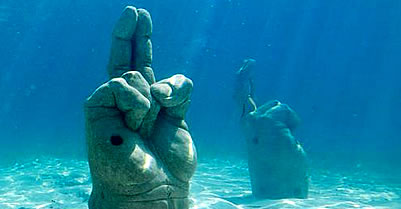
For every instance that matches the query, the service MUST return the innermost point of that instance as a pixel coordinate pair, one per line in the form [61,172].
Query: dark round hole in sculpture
[116,140]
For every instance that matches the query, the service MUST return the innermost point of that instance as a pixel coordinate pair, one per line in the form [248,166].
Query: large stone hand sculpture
[140,150]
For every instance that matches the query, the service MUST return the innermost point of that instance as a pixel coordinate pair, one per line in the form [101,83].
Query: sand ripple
[218,184]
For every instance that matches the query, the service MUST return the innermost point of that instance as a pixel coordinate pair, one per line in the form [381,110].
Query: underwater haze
[336,63]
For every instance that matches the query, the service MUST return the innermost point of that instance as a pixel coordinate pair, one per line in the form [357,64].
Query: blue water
[336,63]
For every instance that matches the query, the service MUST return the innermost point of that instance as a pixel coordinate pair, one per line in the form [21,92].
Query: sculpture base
[97,201]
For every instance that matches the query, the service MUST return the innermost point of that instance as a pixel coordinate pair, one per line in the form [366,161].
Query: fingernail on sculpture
[276,160]
[140,151]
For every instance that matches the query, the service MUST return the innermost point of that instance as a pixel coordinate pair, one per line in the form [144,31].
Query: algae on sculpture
[140,151]
[276,160]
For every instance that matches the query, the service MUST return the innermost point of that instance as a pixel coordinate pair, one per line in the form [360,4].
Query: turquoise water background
[336,63]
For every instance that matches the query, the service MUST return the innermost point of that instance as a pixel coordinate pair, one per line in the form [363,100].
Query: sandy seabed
[54,183]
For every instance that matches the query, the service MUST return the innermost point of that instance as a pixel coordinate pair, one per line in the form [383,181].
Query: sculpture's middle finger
[131,47]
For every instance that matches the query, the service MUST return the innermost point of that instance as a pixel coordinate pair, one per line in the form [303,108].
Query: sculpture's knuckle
[117,82]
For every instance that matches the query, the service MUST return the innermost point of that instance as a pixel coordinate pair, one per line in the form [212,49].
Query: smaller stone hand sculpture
[276,160]
[140,151]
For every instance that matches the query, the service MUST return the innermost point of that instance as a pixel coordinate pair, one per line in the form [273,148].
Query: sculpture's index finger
[144,27]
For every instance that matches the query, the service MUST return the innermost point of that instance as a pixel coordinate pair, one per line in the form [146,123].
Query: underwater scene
[206,104]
